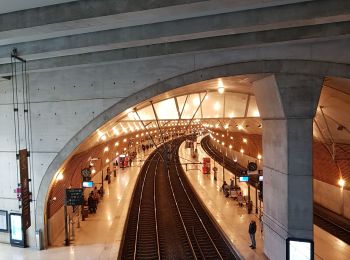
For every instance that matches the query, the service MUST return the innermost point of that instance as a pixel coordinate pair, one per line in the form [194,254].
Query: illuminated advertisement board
[16,231]
[300,249]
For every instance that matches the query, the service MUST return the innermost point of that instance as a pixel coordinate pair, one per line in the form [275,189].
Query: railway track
[321,218]
[232,166]
[166,220]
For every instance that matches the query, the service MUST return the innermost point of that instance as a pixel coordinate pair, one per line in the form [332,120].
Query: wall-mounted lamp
[341,183]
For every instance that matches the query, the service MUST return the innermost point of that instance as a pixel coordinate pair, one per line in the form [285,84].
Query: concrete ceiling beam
[90,15]
[257,39]
[185,29]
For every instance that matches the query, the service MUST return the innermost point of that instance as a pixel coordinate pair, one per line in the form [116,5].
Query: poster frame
[7,221]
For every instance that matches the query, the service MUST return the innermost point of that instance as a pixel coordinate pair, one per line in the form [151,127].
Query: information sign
[88,184]
[74,197]
[244,178]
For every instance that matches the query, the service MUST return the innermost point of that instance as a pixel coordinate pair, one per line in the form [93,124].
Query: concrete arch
[306,67]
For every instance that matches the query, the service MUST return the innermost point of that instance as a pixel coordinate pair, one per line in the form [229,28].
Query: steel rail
[139,211]
[196,212]
[180,215]
[155,206]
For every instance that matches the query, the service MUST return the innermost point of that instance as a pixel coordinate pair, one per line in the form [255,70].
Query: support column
[287,105]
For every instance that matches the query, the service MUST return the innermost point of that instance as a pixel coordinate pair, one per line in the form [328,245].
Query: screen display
[244,178]
[88,184]
[299,250]
[261,178]
[16,227]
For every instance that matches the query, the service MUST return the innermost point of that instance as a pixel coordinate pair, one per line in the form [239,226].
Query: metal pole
[248,192]
[223,168]
[101,174]
[256,200]
[66,235]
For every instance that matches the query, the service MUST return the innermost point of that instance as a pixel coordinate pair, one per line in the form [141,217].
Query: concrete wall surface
[80,80]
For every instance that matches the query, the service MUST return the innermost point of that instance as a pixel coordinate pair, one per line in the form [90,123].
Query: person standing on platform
[252,231]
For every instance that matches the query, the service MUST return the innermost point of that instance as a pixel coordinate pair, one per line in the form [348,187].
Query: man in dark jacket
[252,230]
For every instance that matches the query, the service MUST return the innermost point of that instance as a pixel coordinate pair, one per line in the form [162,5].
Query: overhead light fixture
[59,176]
[221,88]
[245,140]
[259,156]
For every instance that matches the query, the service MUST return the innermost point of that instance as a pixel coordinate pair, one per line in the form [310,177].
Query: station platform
[99,236]
[234,221]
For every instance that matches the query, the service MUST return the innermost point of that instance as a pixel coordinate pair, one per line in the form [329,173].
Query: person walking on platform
[91,203]
[240,199]
[252,231]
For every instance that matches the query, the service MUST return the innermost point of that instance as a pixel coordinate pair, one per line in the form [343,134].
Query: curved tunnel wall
[326,171]
[69,104]
[275,66]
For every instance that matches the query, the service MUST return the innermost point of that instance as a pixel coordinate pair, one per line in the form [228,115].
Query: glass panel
[166,109]
[146,113]
[213,105]
[191,106]
[235,104]
[253,110]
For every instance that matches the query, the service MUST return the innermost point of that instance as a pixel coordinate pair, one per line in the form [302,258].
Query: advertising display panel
[16,231]
[300,249]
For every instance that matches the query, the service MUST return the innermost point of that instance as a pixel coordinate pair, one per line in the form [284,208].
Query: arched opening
[255,67]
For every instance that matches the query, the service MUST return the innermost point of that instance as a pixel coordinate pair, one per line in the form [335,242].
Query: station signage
[74,197]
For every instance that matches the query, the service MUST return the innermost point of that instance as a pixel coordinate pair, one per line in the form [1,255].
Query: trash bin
[39,239]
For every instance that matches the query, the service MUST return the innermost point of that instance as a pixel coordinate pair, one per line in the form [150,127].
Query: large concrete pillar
[287,105]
